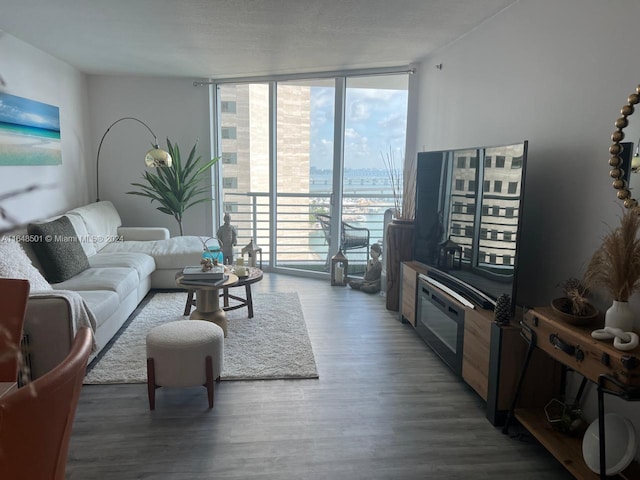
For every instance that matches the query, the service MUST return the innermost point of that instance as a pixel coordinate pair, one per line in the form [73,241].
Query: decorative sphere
[616,173]
[619,184]
[630,203]
[617,136]
[615,149]
[622,122]
[623,194]
[615,161]
[638,89]
[634,98]
[627,110]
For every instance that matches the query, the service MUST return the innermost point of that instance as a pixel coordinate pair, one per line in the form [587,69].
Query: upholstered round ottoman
[184,353]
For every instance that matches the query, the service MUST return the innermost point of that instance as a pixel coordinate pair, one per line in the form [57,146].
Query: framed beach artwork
[29,132]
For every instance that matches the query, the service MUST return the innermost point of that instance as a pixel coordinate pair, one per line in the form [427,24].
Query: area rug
[274,344]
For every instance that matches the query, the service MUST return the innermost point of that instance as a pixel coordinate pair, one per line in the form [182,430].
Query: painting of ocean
[29,132]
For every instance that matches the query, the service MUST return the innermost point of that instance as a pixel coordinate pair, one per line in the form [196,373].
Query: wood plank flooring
[385,407]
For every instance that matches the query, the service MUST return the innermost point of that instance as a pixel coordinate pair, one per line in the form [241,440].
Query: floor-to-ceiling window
[303,167]
[244,159]
[375,133]
[295,149]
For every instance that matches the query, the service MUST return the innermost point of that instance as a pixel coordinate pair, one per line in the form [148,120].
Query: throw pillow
[58,249]
[14,263]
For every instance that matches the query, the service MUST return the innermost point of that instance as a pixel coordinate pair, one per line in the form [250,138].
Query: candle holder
[339,269]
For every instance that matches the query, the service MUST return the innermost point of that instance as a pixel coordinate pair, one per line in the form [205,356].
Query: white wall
[556,74]
[540,72]
[30,73]
[172,108]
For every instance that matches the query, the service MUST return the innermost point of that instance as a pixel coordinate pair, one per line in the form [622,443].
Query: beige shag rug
[274,344]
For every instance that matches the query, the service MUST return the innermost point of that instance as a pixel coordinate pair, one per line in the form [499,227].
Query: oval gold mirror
[620,177]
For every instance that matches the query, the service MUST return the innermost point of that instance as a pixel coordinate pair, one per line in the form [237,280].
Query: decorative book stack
[194,275]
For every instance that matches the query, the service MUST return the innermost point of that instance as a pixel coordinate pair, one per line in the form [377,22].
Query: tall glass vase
[398,248]
[619,315]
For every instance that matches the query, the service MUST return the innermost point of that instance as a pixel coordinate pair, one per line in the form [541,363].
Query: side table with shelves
[571,346]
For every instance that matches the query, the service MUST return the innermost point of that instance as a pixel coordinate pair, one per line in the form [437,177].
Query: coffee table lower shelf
[567,450]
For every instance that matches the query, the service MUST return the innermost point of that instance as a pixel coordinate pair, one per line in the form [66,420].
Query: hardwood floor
[384,407]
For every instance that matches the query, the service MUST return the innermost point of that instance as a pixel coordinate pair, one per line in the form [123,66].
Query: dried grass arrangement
[576,295]
[615,265]
[403,186]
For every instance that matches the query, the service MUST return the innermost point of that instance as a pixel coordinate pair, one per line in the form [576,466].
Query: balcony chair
[351,237]
[36,420]
[14,294]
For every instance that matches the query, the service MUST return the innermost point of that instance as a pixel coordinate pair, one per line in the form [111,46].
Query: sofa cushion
[173,253]
[14,263]
[102,221]
[80,227]
[141,262]
[103,304]
[58,249]
[116,279]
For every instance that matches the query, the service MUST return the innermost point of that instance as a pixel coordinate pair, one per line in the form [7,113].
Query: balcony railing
[299,237]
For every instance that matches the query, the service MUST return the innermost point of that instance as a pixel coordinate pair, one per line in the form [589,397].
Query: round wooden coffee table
[254,274]
[208,300]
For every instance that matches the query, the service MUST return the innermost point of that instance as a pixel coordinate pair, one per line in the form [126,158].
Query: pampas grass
[615,266]
[403,186]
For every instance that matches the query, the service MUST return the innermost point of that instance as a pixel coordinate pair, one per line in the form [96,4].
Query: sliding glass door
[375,133]
[304,172]
[299,155]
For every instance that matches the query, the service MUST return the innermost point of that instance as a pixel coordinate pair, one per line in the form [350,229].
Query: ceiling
[238,38]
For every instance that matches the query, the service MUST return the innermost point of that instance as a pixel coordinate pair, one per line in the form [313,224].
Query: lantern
[339,268]
[252,249]
[450,255]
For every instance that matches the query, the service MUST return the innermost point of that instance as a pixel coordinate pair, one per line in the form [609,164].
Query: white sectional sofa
[122,264]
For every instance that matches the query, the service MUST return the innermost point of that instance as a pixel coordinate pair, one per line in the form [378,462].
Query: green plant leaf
[179,187]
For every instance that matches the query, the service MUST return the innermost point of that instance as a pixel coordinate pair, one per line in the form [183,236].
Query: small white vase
[619,315]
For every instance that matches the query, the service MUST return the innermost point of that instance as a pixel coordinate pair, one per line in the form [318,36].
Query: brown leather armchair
[14,294]
[36,420]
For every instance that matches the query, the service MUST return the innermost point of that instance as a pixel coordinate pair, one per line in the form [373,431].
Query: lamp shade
[157,157]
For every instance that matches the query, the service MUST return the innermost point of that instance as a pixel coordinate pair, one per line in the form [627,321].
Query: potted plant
[400,232]
[615,266]
[574,306]
[176,188]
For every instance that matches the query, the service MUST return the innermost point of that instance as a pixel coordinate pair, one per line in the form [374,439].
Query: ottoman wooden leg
[151,383]
[209,371]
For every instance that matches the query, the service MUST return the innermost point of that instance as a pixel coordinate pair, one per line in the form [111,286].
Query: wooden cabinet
[476,353]
[492,354]
[409,290]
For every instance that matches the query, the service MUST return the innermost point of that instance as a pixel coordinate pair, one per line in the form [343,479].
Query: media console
[486,356]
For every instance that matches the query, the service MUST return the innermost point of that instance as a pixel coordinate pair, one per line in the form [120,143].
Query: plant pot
[558,306]
[398,248]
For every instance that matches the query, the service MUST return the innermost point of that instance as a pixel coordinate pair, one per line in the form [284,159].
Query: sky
[375,121]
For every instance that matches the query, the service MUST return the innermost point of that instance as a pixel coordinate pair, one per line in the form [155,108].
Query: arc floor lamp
[156,157]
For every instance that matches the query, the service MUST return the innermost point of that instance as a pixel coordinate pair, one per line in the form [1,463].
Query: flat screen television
[468,218]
